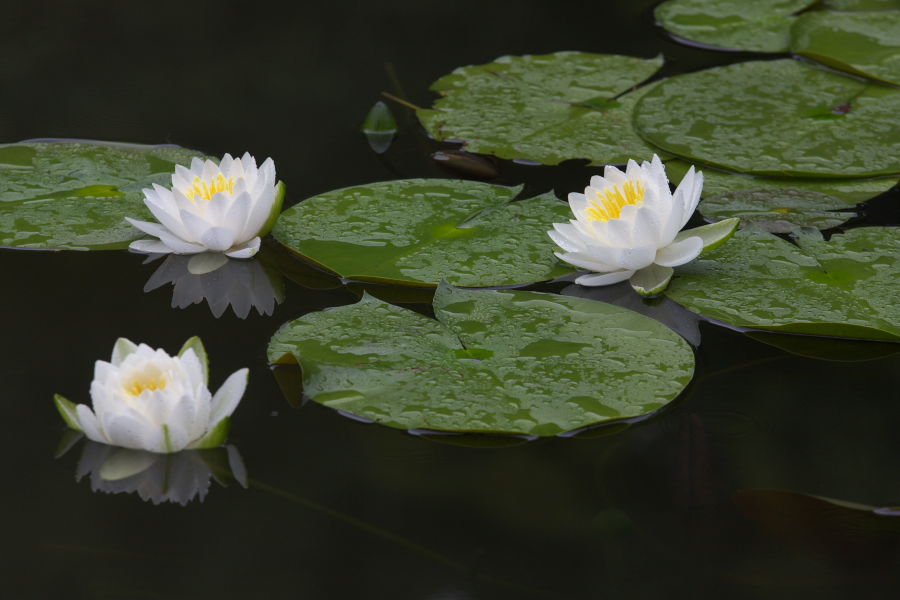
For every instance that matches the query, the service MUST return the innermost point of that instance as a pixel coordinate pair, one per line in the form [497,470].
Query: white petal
[245,250]
[147,227]
[169,219]
[604,278]
[150,247]
[228,396]
[129,432]
[218,239]
[585,261]
[646,227]
[564,242]
[89,424]
[678,253]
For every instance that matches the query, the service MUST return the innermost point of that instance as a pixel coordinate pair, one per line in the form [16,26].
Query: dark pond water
[708,499]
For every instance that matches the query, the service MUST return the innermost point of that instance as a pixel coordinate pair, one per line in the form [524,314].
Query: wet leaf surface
[777,211]
[423,231]
[844,287]
[74,194]
[775,118]
[494,362]
[547,108]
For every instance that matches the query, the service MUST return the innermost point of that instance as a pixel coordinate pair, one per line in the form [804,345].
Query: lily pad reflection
[220,282]
[177,478]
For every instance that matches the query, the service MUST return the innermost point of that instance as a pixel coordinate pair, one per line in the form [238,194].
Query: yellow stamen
[207,190]
[139,386]
[608,203]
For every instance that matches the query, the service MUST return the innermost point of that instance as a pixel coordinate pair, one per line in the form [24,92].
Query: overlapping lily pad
[781,117]
[423,231]
[864,43]
[546,108]
[494,362]
[848,191]
[74,195]
[857,5]
[845,287]
[778,211]
[757,25]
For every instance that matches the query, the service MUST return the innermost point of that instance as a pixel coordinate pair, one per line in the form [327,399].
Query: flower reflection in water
[178,478]
[221,282]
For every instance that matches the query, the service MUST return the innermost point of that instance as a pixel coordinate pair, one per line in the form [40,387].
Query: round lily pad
[504,362]
[75,194]
[423,231]
[856,5]
[849,191]
[757,26]
[780,117]
[844,287]
[778,211]
[864,43]
[547,108]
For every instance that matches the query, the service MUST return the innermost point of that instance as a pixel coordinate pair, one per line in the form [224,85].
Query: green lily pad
[494,362]
[756,26]
[423,231]
[864,43]
[780,117]
[547,108]
[777,211]
[858,5]
[75,194]
[845,287]
[718,183]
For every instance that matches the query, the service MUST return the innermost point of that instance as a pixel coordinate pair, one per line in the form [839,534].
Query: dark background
[338,509]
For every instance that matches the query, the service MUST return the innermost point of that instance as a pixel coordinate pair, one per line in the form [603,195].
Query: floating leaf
[846,287]
[777,211]
[380,127]
[779,117]
[547,108]
[855,5]
[718,183]
[494,362]
[757,26]
[422,231]
[866,43]
[74,195]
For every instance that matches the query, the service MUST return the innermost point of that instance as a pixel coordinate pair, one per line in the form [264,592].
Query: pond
[771,475]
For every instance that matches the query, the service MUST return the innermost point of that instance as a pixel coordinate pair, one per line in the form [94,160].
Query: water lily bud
[213,208]
[147,400]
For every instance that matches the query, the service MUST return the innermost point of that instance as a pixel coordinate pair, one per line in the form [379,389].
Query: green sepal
[280,189]
[651,280]
[215,437]
[196,344]
[122,348]
[68,412]
[167,439]
[713,235]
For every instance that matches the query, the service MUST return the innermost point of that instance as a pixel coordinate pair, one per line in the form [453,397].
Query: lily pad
[547,108]
[780,117]
[504,362]
[74,194]
[718,183]
[757,26]
[864,43]
[777,211]
[845,287]
[422,231]
[856,5]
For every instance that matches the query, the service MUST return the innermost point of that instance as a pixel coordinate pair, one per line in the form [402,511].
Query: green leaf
[380,127]
[494,362]
[74,195]
[865,43]
[855,5]
[717,183]
[121,349]
[280,190]
[756,26]
[68,412]
[777,211]
[846,287]
[422,231]
[779,117]
[713,235]
[196,344]
[546,108]
[651,280]
[214,437]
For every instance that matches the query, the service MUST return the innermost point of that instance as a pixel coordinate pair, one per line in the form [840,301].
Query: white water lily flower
[147,400]
[213,208]
[626,226]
